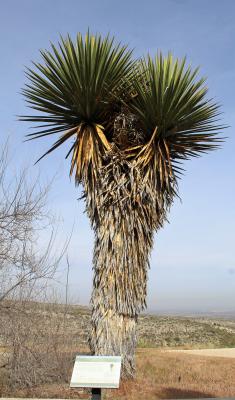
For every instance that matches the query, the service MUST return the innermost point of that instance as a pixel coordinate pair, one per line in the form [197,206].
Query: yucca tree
[130,125]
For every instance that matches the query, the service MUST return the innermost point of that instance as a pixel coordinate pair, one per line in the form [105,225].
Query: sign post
[96,372]
[96,393]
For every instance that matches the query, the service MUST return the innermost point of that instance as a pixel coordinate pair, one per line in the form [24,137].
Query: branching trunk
[125,211]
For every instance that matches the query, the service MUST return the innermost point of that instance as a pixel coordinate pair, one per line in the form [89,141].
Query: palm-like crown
[86,89]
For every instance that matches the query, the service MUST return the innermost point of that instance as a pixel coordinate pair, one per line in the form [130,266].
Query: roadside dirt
[227,353]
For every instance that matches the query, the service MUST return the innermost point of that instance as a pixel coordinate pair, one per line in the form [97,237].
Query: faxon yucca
[129,125]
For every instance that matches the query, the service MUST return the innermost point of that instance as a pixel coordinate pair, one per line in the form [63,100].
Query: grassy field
[163,375]
[160,373]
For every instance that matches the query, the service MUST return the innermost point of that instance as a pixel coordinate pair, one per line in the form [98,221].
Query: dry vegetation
[29,338]
[185,332]
[164,375]
[42,340]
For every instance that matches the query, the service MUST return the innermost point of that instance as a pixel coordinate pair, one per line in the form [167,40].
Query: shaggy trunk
[125,211]
[120,276]
[114,334]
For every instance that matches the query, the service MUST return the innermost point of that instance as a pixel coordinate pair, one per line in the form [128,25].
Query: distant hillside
[169,331]
[226,314]
[187,332]
[152,330]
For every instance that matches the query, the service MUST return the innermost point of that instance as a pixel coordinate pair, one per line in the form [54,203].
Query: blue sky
[193,263]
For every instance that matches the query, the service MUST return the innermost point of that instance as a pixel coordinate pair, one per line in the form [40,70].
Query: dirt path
[228,352]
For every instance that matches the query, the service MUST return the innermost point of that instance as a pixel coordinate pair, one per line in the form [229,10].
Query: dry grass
[163,375]
[160,375]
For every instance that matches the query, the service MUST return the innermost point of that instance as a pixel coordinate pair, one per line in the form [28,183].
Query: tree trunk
[114,334]
[124,211]
[119,288]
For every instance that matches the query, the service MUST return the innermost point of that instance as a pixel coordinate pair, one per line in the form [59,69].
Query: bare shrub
[32,339]
[23,216]
[41,349]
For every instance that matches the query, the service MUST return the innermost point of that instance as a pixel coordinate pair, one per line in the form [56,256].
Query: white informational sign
[96,372]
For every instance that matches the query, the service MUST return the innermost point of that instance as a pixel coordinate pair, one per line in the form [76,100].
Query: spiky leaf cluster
[81,87]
